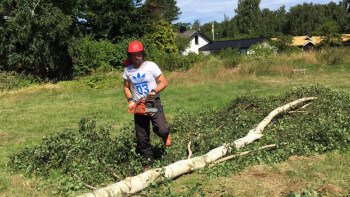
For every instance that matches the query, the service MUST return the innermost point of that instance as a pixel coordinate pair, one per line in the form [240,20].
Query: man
[146,78]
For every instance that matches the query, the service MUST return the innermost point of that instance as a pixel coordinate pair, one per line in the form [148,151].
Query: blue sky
[214,10]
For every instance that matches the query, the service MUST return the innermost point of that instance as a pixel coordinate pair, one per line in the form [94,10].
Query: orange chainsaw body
[144,106]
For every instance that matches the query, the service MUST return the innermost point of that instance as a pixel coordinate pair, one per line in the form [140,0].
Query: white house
[197,40]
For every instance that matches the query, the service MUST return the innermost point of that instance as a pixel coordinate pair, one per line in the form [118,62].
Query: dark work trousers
[142,128]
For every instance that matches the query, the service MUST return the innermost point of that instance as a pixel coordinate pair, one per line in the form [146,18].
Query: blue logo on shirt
[139,78]
[141,86]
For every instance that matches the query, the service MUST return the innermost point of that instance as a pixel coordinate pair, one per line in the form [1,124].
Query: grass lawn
[28,114]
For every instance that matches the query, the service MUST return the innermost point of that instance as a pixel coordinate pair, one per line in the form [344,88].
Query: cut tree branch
[241,154]
[86,185]
[141,181]
[109,169]
[189,150]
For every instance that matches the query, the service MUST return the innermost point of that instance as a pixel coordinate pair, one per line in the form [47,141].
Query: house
[197,40]
[242,45]
[303,42]
[346,39]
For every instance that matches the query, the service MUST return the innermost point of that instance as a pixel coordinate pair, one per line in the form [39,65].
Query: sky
[214,10]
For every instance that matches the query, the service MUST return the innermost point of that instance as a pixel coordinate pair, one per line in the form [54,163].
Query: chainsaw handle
[132,108]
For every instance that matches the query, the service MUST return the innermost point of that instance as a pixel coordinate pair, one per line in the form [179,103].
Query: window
[196,40]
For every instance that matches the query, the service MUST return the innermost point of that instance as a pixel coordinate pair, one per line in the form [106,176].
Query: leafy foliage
[331,56]
[13,80]
[91,55]
[36,38]
[323,127]
[182,43]
[231,57]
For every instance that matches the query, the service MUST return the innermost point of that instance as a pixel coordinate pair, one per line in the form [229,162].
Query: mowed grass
[29,114]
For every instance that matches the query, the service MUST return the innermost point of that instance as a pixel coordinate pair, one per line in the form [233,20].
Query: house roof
[244,43]
[345,37]
[318,39]
[301,41]
[186,34]
[190,34]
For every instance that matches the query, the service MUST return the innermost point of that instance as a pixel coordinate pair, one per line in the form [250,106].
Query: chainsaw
[144,106]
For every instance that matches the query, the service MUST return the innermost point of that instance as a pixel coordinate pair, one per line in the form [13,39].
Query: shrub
[182,43]
[101,80]
[262,50]
[331,56]
[175,61]
[90,55]
[103,56]
[13,80]
[231,57]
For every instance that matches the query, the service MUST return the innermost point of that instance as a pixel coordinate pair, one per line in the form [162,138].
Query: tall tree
[111,19]
[35,36]
[345,4]
[168,9]
[248,16]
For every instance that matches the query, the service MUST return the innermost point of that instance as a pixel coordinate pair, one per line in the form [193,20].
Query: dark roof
[202,34]
[242,44]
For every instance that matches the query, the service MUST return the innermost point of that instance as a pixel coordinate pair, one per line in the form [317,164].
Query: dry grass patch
[213,70]
[292,176]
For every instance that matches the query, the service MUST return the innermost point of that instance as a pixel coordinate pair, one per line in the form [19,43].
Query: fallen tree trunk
[131,185]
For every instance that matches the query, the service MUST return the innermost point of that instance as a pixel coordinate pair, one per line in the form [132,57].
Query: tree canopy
[302,19]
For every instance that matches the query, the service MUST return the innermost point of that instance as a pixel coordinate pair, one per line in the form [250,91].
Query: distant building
[241,45]
[197,40]
[303,42]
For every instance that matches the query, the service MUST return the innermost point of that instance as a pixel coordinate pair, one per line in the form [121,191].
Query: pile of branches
[91,157]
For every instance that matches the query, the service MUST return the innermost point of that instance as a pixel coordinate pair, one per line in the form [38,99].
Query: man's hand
[152,92]
[130,104]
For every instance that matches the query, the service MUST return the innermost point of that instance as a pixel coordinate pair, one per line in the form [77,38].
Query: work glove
[131,104]
[152,92]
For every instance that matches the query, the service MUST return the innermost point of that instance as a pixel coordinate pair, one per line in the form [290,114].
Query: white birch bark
[257,132]
[131,185]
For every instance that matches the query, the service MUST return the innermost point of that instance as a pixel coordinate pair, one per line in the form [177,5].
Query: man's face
[137,58]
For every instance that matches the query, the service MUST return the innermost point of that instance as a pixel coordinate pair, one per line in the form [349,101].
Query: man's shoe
[167,141]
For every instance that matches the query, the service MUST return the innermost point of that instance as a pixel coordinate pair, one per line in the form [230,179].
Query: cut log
[137,183]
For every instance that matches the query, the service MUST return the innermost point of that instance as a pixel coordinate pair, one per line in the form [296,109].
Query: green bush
[177,62]
[331,56]
[90,55]
[231,57]
[103,56]
[13,80]
[262,50]
[101,80]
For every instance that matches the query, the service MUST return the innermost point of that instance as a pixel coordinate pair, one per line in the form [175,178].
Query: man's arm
[127,90]
[162,83]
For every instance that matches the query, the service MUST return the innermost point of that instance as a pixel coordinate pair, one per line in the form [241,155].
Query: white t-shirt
[143,79]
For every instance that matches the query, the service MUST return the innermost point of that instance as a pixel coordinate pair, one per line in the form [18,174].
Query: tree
[248,16]
[282,42]
[329,31]
[161,33]
[346,5]
[182,43]
[111,19]
[35,36]
[167,8]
